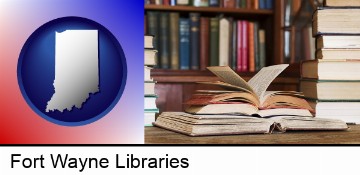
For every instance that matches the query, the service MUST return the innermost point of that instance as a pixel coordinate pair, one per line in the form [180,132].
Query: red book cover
[239,47]
[229,4]
[166,2]
[245,47]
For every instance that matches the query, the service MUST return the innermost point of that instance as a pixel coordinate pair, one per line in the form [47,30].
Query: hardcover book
[214,41]
[184,39]
[346,111]
[203,125]
[224,42]
[336,21]
[149,42]
[333,90]
[337,54]
[331,69]
[342,3]
[194,40]
[164,49]
[338,42]
[150,57]
[174,40]
[204,42]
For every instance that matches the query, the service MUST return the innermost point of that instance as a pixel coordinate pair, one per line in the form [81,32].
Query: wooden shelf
[239,11]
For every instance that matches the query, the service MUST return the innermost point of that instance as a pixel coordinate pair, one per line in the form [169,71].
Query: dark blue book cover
[214,3]
[194,41]
[262,4]
[269,4]
[184,39]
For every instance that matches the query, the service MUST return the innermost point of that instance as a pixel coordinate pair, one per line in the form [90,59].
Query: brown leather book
[204,42]
[251,47]
[229,3]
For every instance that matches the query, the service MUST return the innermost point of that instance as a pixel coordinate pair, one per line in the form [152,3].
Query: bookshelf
[174,87]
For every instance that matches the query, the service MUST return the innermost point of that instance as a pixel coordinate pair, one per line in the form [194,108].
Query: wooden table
[155,135]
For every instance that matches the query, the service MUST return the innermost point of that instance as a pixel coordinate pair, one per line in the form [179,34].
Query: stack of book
[332,81]
[197,42]
[248,4]
[245,107]
[150,97]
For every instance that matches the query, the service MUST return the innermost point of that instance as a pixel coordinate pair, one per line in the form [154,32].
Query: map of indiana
[76,69]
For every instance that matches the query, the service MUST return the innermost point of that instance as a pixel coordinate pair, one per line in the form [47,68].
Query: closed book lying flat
[349,112]
[149,42]
[336,54]
[149,87]
[150,103]
[331,90]
[336,21]
[338,42]
[342,3]
[331,69]
[147,71]
[150,58]
[202,125]
[149,118]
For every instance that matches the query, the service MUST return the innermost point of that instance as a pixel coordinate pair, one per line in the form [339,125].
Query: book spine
[262,48]
[184,39]
[224,42]
[214,41]
[200,3]
[152,29]
[249,4]
[269,4]
[244,4]
[204,42]
[173,2]
[230,37]
[174,40]
[262,4]
[238,4]
[194,40]
[166,2]
[255,4]
[182,2]
[214,3]
[256,46]
[251,45]
[164,41]
[229,4]
[234,45]
[245,46]
[239,47]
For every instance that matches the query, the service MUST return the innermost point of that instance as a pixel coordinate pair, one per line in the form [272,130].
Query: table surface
[155,135]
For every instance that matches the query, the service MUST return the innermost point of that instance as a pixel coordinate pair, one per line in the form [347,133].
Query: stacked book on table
[332,81]
[245,107]
[150,97]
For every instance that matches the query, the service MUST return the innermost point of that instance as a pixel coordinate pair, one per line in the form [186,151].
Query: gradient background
[19,124]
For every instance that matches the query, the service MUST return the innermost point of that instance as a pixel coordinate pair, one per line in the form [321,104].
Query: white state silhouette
[76,69]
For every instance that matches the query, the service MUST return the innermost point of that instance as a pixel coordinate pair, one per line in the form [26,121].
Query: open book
[248,98]
[202,125]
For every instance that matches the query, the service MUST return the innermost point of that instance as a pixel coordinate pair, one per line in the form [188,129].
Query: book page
[261,81]
[227,75]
